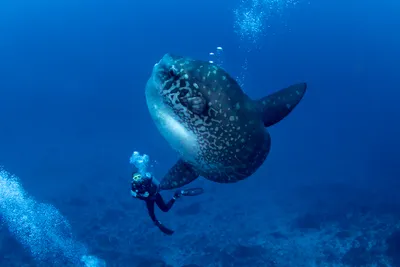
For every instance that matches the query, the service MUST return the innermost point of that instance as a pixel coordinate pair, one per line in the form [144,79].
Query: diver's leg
[150,208]
[165,207]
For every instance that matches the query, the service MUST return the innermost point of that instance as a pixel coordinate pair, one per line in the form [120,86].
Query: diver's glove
[163,229]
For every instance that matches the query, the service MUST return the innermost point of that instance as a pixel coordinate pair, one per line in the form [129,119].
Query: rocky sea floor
[233,229]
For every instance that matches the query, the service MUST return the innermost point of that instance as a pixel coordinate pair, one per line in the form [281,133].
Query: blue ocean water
[73,109]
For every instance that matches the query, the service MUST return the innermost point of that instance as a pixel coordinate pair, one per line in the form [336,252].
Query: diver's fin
[192,191]
[278,105]
[182,173]
[196,104]
[164,229]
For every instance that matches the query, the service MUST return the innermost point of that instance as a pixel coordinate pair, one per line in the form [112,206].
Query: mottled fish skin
[205,116]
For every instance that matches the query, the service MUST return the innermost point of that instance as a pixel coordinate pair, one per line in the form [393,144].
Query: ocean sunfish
[219,132]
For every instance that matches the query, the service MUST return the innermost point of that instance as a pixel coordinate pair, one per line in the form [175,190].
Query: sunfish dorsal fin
[278,105]
[182,173]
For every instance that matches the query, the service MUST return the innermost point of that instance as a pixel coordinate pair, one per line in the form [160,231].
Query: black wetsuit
[156,198]
[165,207]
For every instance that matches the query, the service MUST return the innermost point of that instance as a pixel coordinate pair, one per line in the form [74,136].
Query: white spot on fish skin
[195,85]
[288,106]
[186,76]
[197,122]
[224,78]
[231,118]
[237,106]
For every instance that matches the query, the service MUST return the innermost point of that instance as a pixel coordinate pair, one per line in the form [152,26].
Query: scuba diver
[147,188]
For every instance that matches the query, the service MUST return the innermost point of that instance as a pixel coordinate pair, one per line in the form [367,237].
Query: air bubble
[252,17]
[217,56]
[252,22]
[141,162]
[40,227]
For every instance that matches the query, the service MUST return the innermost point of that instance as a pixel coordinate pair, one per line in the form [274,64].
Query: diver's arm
[150,208]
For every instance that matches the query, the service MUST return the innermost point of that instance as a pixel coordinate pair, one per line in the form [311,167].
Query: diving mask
[137,177]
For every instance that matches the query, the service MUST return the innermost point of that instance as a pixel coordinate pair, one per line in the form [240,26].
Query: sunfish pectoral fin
[196,104]
[278,105]
[182,173]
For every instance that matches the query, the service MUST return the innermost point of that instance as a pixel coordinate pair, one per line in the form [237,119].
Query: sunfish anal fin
[182,173]
[278,105]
